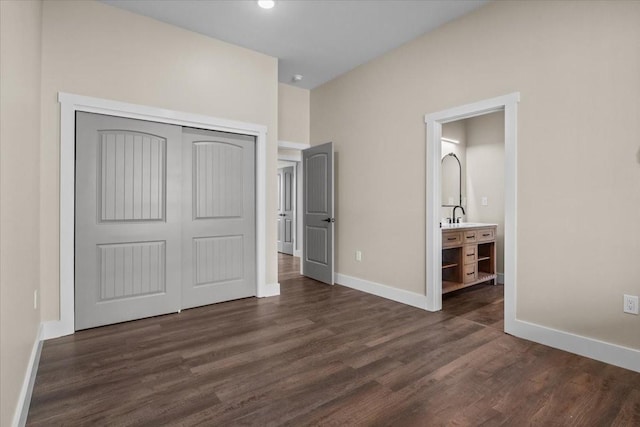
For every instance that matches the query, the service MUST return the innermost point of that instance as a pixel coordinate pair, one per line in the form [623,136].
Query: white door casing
[508,104]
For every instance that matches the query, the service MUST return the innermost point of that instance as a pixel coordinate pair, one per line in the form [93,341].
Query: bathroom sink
[465,225]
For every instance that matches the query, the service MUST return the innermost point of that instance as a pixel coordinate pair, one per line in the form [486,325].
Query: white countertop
[463,225]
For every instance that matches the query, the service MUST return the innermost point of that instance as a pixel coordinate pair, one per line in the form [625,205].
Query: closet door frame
[69,104]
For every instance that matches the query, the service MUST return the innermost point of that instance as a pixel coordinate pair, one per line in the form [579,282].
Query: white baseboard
[399,295]
[24,399]
[613,354]
[297,252]
[59,328]
[270,290]
[500,278]
[56,328]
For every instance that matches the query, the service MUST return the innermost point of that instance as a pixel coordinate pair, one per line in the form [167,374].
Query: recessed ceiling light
[266,4]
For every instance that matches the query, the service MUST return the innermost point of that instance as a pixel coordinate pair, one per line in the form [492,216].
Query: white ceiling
[318,39]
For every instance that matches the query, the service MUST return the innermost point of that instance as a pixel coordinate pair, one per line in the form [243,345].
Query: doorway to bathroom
[485,199]
[472,218]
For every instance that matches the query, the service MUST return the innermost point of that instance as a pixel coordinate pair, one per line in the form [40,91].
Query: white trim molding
[269,290]
[385,291]
[508,104]
[69,104]
[289,145]
[290,157]
[24,398]
[613,354]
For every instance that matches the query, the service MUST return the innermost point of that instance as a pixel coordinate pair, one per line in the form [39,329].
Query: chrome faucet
[453,214]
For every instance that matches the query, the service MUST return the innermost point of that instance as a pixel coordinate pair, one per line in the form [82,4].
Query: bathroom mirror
[451,180]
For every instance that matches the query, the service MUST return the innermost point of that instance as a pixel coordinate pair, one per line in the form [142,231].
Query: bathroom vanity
[468,255]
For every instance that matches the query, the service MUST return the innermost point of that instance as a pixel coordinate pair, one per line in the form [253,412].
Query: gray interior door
[318,220]
[127,221]
[286,196]
[218,208]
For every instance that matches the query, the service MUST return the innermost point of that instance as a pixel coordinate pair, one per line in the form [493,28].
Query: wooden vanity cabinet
[468,257]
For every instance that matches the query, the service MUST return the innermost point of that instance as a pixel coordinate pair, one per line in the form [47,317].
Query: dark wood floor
[322,354]
[288,267]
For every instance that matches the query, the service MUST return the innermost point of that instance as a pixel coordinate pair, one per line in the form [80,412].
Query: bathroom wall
[450,175]
[485,174]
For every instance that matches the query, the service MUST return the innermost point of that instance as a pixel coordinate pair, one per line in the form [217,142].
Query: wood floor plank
[629,414]
[325,355]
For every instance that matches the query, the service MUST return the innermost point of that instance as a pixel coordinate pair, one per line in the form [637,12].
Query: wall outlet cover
[358,256]
[631,304]
[485,201]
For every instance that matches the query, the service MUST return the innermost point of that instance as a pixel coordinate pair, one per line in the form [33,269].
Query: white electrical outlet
[358,255]
[631,304]
[485,201]
[35,299]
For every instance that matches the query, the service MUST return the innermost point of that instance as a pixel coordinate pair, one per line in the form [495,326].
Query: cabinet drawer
[471,236]
[470,254]
[470,273]
[451,238]
[486,234]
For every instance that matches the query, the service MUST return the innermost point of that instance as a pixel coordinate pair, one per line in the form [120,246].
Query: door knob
[329,220]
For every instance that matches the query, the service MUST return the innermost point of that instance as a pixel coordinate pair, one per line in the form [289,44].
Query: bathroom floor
[483,304]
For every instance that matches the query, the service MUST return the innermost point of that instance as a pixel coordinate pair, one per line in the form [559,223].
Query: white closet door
[218,209]
[128,219]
